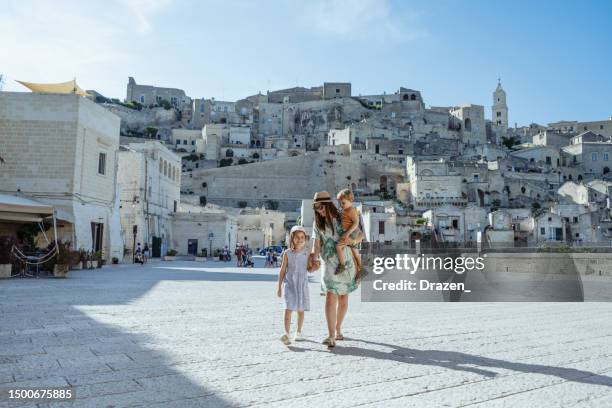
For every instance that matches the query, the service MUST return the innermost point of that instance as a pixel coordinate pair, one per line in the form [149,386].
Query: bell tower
[500,109]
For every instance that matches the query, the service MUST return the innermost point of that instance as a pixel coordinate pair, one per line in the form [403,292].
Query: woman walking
[326,231]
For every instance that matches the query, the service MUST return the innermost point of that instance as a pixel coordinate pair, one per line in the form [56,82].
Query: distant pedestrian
[269,259]
[238,254]
[274,259]
[146,253]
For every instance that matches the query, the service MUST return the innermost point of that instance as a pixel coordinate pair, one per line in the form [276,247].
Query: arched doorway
[468,125]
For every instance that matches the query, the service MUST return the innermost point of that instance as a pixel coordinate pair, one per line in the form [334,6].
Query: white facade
[261,227]
[337,137]
[379,221]
[204,230]
[60,149]
[149,181]
[189,140]
[240,135]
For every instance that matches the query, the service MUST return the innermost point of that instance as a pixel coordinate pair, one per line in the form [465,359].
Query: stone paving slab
[186,334]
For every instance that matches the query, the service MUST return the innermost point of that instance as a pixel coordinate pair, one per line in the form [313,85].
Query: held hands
[313,263]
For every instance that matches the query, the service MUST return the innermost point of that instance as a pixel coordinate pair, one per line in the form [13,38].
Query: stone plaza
[192,334]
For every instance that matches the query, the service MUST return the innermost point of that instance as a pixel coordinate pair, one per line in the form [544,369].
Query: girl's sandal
[339,336]
[330,342]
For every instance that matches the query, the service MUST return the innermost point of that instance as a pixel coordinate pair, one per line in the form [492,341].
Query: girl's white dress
[297,296]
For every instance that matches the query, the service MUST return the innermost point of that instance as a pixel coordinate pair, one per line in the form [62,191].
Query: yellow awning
[69,87]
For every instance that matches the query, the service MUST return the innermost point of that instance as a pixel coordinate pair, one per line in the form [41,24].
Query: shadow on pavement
[46,340]
[466,362]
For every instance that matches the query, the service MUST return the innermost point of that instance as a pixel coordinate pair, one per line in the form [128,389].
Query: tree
[225,162]
[510,141]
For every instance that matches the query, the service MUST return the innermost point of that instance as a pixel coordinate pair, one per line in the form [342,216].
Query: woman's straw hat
[322,197]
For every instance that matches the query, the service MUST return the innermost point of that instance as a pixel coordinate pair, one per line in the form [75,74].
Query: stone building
[589,152]
[543,155]
[432,185]
[509,227]
[153,95]
[149,178]
[454,224]
[333,90]
[471,123]
[261,227]
[191,141]
[551,138]
[601,127]
[380,222]
[203,229]
[549,228]
[60,149]
[338,137]
[240,135]
[296,94]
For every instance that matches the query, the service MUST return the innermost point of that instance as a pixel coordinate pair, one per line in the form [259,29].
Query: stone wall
[289,180]
[138,120]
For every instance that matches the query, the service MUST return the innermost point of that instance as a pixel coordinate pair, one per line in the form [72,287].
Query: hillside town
[194,176]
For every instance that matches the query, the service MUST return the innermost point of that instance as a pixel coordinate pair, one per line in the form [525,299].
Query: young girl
[293,278]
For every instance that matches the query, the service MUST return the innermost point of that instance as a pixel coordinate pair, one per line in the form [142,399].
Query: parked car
[275,248]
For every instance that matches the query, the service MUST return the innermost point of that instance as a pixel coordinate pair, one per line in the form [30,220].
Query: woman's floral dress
[343,283]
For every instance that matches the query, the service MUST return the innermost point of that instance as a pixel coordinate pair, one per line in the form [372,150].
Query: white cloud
[55,41]
[360,20]
[143,10]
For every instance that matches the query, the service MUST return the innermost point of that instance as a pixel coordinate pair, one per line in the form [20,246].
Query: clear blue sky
[554,57]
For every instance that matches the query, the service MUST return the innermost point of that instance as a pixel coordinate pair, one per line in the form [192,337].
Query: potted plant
[201,257]
[170,255]
[65,258]
[81,260]
[97,256]
[6,246]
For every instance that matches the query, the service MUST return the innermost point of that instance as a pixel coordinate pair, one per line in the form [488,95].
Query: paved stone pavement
[187,334]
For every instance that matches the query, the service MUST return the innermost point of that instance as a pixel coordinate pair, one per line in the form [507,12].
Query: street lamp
[210,240]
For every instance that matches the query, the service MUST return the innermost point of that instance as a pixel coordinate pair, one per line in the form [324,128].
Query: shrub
[151,132]
[171,252]
[165,104]
[115,260]
[242,161]
[242,204]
